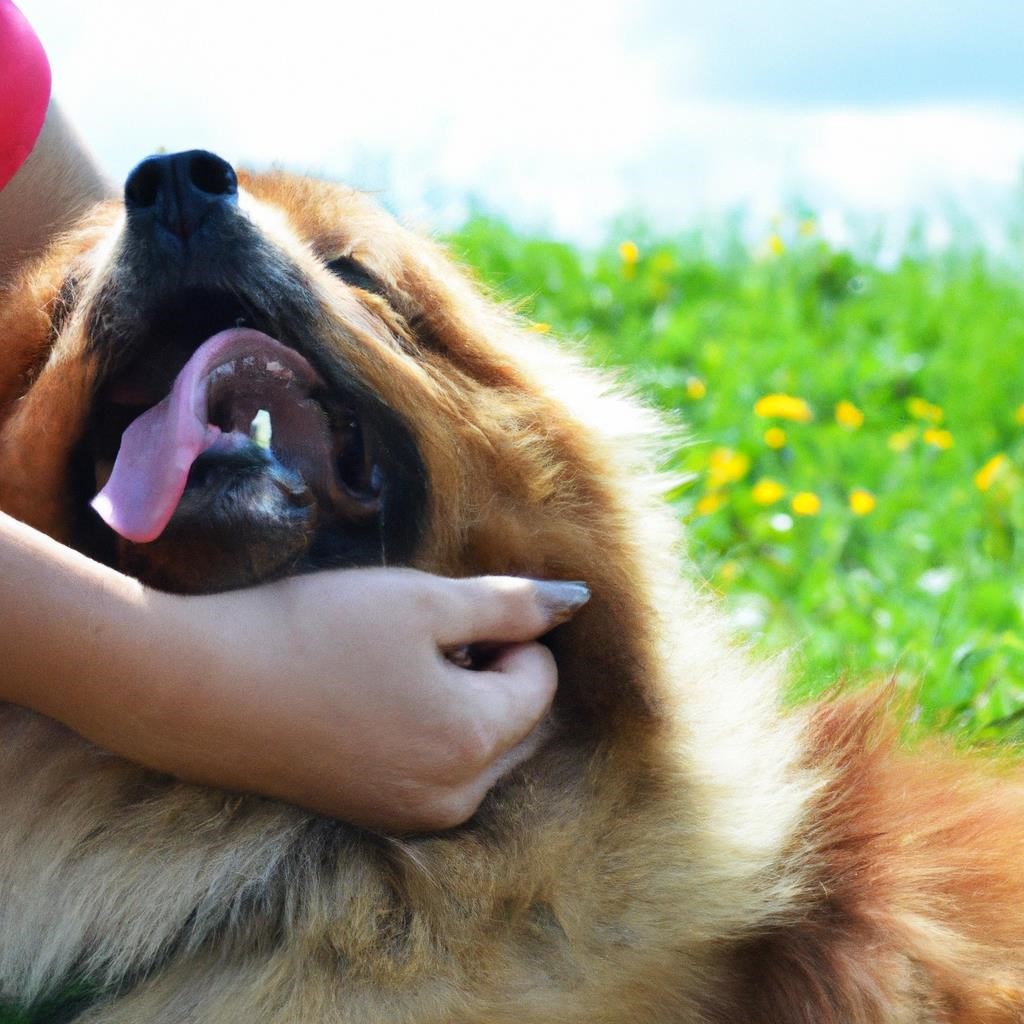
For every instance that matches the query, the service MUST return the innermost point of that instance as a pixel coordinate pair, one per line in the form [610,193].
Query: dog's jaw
[340,485]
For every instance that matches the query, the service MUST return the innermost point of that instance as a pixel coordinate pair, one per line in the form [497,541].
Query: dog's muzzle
[169,198]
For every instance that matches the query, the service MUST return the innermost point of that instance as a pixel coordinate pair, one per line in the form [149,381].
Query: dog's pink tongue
[158,449]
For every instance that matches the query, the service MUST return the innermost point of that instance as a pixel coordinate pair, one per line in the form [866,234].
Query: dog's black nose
[178,191]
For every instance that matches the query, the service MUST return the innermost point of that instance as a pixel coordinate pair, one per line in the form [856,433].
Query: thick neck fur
[593,885]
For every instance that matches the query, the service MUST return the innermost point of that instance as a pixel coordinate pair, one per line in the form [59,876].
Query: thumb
[508,609]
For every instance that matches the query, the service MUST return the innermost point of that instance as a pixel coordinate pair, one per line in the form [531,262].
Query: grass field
[855,472]
[854,482]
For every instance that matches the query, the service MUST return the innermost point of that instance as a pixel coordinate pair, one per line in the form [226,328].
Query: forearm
[328,690]
[80,640]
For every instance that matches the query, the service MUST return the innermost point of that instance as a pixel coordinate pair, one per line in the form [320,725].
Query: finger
[513,696]
[504,609]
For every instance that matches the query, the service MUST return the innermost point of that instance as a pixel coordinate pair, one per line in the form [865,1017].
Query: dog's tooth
[273,366]
[249,362]
[259,430]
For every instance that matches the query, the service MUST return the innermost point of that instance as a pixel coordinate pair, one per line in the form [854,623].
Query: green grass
[928,586]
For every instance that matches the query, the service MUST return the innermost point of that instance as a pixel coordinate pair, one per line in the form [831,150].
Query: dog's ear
[46,375]
[28,302]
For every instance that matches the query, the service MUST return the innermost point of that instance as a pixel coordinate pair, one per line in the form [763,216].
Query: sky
[565,116]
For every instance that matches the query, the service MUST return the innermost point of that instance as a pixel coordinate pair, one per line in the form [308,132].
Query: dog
[680,850]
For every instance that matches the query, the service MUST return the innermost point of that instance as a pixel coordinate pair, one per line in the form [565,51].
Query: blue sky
[871,53]
[563,114]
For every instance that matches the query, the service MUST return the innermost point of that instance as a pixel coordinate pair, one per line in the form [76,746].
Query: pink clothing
[24,89]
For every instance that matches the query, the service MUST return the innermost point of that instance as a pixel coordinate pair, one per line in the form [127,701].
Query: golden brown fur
[681,851]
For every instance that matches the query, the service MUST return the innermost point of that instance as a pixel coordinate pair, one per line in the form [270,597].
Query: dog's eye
[355,274]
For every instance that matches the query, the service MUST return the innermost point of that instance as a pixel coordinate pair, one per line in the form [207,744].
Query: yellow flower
[775,437]
[728,571]
[776,246]
[664,262]
[784,407]
[861,501]
[1019,414]
[806,503]
[540,328]
[767,491]
[986,476]
[710,502]
[937,438]
[808,226]
[695,387]
[629,252]
[726,466]
[848,415]
[902,439]
[922,410]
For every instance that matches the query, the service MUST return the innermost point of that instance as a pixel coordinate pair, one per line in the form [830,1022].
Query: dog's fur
[680,851]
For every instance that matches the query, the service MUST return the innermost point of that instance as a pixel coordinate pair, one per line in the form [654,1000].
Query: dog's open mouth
[222,457]
[242,399]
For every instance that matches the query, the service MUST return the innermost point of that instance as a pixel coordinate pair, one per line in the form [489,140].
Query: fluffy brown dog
[679,851]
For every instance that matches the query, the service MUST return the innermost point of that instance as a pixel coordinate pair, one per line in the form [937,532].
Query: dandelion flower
[726,466]
[986,476]
[767,491]
[695,387]
[808,226]
[902,439]
[783,407]
[1019,414]
[938,438]
[848,415]
[728,571]
[861,501]
[776,246]
[629,253]
[806,503]
[775,437]
[922,410]
[540,328]
[710,502]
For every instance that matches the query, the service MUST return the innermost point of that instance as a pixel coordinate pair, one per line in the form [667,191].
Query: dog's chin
[247,518]
[243,519]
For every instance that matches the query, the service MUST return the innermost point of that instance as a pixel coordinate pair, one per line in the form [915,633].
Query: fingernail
[561,599]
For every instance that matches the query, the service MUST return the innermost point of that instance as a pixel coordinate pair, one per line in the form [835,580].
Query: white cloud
[563,113]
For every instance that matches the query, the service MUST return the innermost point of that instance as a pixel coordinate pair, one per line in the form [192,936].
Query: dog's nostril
[177,193]
[212,175]
[143,184]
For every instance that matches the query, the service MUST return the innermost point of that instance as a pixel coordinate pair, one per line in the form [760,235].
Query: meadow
[852,477]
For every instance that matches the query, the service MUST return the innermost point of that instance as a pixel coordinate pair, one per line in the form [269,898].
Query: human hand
[333,691]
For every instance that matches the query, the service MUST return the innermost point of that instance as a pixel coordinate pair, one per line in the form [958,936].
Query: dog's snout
[178,191]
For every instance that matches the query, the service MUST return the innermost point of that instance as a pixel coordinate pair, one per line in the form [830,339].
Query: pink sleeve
[24,89]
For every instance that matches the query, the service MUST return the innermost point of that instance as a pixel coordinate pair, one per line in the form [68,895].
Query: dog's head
[225,380]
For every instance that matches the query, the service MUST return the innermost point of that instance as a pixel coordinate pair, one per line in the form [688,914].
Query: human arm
[330,691]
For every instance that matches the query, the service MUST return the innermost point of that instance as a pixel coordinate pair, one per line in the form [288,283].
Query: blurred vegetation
[855,479]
